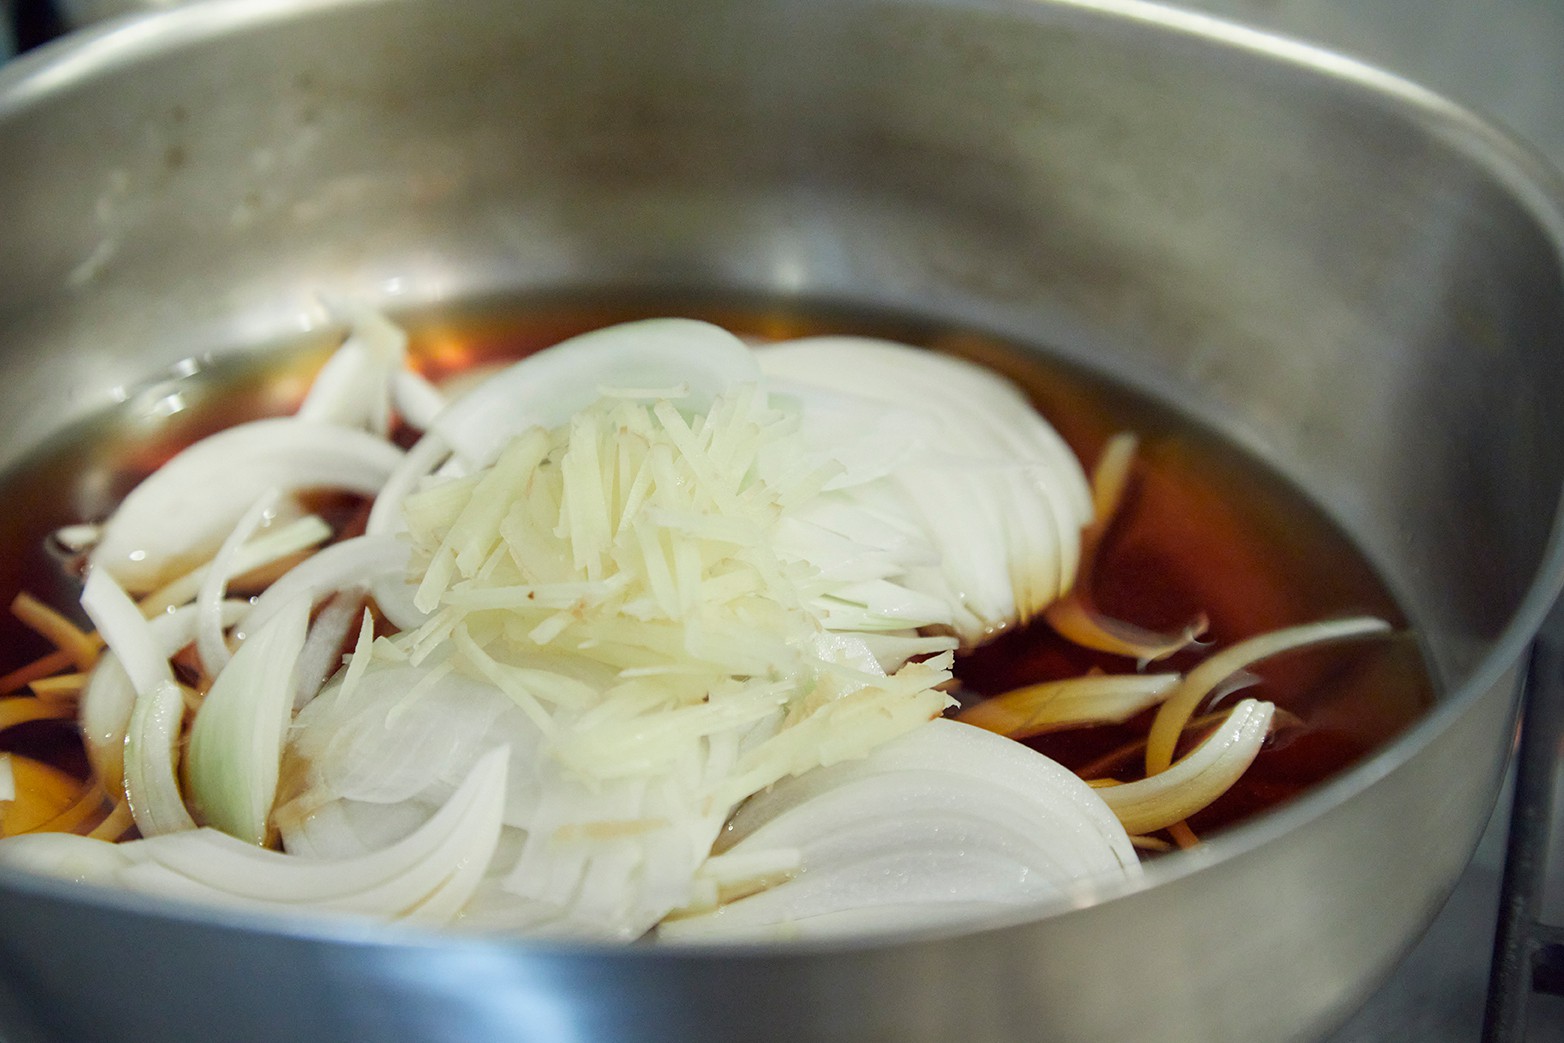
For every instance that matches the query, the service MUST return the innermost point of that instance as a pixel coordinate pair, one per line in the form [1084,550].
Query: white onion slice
[353,563]
[178,517]
[993,485]
[236,741]
[354,387]
[1203,679]
[65,855]
[321,657]
[426,876]
[106,703]
[1202,775]
[103,715]
[916,833]
[416,399]
[691,361]
[152,730]
[211,645]
[349,828]
[125,631]
[866,438]
[401,733]
[1070,703]
[268,548]
[942,745]
[385,516]
[151,762]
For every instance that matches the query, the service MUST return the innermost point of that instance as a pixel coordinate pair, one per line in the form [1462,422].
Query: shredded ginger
[610,599]
[641,539]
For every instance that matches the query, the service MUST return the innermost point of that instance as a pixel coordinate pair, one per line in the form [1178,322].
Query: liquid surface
[1203,530]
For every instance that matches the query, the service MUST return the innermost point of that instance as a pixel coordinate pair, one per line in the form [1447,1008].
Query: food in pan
[655,632]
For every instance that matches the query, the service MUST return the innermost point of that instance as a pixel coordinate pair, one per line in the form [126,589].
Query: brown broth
[1204,530]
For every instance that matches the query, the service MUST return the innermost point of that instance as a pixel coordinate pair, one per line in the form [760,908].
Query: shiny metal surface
[1500,58]
[1354,279]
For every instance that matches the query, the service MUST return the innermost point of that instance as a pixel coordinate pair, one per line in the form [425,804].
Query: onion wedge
[236,740]
[179,516]
[427,876]
[1075,617]
[211,642]
[419,401]
[993,486]
[151,756]
[1197,779]
[266,549]
[1204,679]
[1071,703]
[947,822]
[103,712]
[351,564]
[152,731]
[1077,620]
[354,388]
[686,361]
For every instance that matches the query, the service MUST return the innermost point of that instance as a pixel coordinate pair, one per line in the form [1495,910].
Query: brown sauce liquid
[1204,530]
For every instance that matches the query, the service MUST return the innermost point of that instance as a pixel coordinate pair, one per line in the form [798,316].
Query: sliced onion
[1198,778]
[385,516]
[865,439]
[266,549]
[941,745]
[426,876]
[66,855]
[391,883]
[211,645]
[1203,679]
[353,563]
[103,712]
[1075,619]
[1072,703]
[970,401]
[77,538]
[349,828]
[354,388]
[692,361]
[914,834]
[321,656]
[115,824]
[151,761]
[125,631]
[417,400]
[236,740]
[1111,475]
[179,516]
[152,730]
[348,744]
[989,480]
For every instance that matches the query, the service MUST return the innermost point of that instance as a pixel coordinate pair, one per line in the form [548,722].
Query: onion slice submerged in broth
[615,592]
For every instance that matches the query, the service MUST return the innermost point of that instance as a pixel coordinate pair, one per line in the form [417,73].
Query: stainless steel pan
[1352,278]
